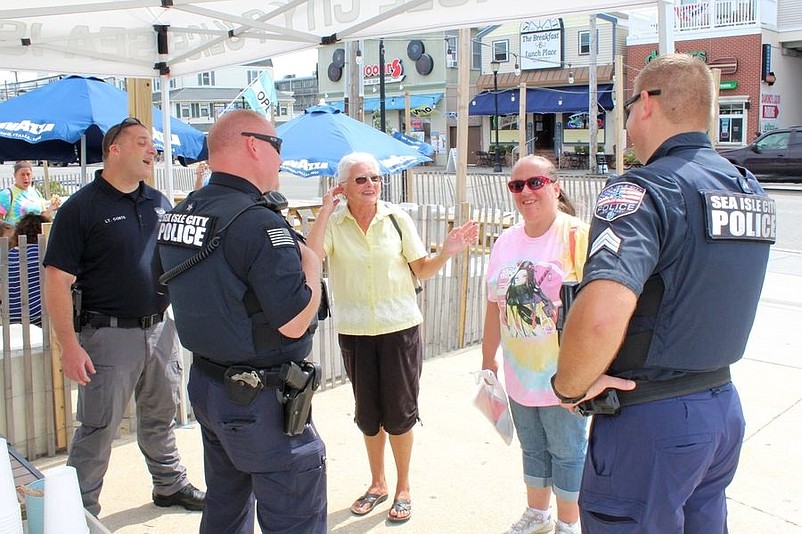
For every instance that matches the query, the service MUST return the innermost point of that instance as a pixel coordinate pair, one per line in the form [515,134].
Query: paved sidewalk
[465,479]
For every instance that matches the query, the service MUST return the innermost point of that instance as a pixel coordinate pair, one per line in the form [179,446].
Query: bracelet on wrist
[563,398]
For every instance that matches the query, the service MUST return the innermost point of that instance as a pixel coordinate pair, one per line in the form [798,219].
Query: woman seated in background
[30,226]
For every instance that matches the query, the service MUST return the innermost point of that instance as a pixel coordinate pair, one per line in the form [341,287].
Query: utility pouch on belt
[300,382]
[242,385]
[77,312]
[605,403]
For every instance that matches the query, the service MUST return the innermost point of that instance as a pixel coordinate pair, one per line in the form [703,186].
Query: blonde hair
[686,86]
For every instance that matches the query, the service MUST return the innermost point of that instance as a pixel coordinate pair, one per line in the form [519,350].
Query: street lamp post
[497,157]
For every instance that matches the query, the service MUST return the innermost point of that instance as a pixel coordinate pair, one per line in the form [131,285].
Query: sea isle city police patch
[618,200]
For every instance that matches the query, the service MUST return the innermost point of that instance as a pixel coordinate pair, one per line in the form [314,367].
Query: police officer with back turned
[245,290]
[678,251]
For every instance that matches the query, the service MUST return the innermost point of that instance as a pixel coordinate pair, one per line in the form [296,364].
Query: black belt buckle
[606,403]
[150,320]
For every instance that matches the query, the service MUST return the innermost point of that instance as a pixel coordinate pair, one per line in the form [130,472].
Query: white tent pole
[168,136]
[83,159]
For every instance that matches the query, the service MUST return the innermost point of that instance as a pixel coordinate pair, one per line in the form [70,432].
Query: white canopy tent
[149,38]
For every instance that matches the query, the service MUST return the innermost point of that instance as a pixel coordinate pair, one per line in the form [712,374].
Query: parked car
[777,154]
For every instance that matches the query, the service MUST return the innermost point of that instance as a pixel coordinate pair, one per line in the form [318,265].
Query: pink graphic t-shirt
[524,277]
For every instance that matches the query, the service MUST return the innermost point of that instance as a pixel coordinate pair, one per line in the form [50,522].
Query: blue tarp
[567,99]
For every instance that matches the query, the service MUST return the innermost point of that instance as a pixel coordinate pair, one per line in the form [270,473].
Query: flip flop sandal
[369,499]
[400,506]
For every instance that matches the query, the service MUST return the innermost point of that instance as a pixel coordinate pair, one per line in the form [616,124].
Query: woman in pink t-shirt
[529,264]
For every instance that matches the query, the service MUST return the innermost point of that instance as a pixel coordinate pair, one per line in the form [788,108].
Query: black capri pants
[385,375]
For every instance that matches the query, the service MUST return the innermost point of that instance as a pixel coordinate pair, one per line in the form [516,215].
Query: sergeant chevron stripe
[608,240]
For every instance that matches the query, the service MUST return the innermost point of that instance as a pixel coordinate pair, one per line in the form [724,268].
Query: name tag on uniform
[738,216]
[185,230]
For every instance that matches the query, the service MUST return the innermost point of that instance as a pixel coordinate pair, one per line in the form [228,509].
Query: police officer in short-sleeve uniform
[247,304]
[678,251]
[103,242]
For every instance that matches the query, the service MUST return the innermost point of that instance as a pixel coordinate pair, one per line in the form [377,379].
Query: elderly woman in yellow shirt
[371,246]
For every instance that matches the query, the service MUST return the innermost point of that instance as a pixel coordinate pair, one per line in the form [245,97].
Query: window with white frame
[184,111]
[253,75]
[206,78]
[732,122]
[476,55]
[583,42]
[501,51]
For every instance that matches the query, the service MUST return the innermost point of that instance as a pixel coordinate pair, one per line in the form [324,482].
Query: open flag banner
[261,95]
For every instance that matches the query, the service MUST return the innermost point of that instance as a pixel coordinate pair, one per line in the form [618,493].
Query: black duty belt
[675,387]
[270,377]
[99,320]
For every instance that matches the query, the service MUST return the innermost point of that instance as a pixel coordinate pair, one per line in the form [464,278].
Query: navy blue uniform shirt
[107,239]
[258,262]
[702,265]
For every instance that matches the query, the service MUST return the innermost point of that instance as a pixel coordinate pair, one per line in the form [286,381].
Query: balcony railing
[705,15]
[702,15]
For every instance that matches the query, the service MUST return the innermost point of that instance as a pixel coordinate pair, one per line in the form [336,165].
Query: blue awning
[396,102]
[567,99]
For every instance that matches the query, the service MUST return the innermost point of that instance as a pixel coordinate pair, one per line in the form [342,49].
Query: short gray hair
[355,158]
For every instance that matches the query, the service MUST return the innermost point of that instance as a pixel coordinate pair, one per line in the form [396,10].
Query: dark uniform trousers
[145,363]
[247,457]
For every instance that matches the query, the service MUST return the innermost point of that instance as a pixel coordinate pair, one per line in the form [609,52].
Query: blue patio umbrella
[47,123]
[424,148]
[314,142]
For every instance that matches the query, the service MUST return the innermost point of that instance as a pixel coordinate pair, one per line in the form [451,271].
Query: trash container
[601,163]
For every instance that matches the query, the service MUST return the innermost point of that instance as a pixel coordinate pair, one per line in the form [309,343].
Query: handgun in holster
[606,403]
[77,311]
[301,380]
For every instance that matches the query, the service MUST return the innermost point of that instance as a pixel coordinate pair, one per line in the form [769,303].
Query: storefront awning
[396,102]
[566,99]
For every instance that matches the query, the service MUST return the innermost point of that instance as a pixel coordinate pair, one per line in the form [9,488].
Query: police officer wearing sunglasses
[678,252]
[245,292]
[101,281]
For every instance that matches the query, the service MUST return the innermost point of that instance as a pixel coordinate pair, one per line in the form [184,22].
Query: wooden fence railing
[37,405]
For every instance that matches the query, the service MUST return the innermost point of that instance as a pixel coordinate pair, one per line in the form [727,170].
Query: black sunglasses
[362,180]
[272,139]
[634,98]
[534,183]
[117,128]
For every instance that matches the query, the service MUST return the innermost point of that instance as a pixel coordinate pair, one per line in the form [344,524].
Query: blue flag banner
[261,95]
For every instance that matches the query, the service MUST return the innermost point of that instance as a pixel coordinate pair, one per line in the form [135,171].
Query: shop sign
[393,72]
[726,85]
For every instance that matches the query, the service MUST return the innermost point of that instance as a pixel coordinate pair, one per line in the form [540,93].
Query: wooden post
[61,396]
[522,150]
[620,133]
[140,105]
[714,123]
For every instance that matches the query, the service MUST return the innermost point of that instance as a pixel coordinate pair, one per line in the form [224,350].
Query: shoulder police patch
[181,229]
[618,200]
[280,237]
[740,216]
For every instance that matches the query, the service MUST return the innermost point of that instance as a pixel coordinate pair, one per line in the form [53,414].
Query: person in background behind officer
[103,244]
[668,299]
[22,197]
[244,329]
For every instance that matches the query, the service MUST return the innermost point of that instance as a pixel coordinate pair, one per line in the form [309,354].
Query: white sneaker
[565,528]
[532,523]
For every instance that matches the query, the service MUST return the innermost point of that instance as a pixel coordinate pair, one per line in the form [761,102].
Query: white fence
[36,410]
